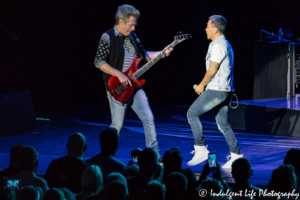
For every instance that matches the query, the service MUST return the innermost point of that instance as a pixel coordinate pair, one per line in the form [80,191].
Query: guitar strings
[121,88]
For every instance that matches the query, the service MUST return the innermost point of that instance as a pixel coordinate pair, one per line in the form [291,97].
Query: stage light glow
[42,119]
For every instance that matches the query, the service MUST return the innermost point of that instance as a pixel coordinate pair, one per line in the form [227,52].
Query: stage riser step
[266,120]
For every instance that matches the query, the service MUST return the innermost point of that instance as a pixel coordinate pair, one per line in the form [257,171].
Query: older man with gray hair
[116,51]
[28,163]
[218,81]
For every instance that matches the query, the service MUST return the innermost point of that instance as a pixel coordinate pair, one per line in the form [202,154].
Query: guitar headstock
[182,36]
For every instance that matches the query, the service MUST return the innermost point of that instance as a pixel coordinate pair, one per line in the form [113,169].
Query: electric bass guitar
[122,92]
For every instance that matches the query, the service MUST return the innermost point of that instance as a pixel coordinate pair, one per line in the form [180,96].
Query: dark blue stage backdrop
[53,52]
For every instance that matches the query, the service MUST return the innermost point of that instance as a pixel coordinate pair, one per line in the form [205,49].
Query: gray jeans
[141,107]
[208,100]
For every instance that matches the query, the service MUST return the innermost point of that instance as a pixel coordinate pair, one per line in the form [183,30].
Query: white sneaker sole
[223,167]
[193,163]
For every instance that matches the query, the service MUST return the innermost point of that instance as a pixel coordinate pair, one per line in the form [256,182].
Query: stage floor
[266,152]
[289,103]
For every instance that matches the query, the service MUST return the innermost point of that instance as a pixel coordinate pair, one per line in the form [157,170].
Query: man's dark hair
[176,185]
[190,176]
[293,158]
[54,194]
[148,161]
[155,191]
[13,156]
[28,159]
[241,170]
[109,141]
[132,170]
[284,179]
[212,184]
[28,192]
[114,186]
[219,22]
[172,160]
[68,194]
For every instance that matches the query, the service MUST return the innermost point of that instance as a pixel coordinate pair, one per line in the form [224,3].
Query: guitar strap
[138,46]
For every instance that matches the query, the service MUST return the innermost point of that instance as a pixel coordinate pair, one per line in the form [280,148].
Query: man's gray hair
[219,22]
[125,11]
[92,180]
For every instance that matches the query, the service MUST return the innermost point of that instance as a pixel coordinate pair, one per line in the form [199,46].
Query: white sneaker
[201,154]
[234,157]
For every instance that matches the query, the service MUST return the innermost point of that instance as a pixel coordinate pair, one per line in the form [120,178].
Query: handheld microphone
[195,86]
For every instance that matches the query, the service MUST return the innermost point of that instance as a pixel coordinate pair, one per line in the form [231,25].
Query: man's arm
[211,72]
[101,58]
[114,72]
[153,54]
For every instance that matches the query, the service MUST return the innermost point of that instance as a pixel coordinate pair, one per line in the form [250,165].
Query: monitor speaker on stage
[270,69]
[276,69]
[16,114]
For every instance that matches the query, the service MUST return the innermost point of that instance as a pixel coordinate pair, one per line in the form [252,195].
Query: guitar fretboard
[148,65]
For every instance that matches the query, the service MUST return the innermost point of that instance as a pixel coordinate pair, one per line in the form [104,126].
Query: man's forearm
[207,78]
[114,72]
[153,54]
[109,70]
[211,72]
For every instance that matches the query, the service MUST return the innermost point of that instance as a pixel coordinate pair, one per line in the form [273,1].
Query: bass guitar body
[121,92]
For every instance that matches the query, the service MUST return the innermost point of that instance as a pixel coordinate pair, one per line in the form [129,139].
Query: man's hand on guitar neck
[125,80]
[153,54]
[168,52]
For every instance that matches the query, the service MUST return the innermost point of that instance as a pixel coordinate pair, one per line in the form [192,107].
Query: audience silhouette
[109,143]
[71,178]
[190,175]
[68,194]
[54,194]
[148,164]
[241,172]
[172,162]
[28,164]
[116,190]
[293,158]
[176,186]
[66,172]
[91,182]
[13,162]
[155,191]
[132,170]
[115,176]
[29,192]
[283,179]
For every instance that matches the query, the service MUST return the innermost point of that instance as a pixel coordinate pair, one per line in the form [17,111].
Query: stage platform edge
[267,116]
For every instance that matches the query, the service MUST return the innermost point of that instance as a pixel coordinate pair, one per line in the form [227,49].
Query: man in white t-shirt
[218,81]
